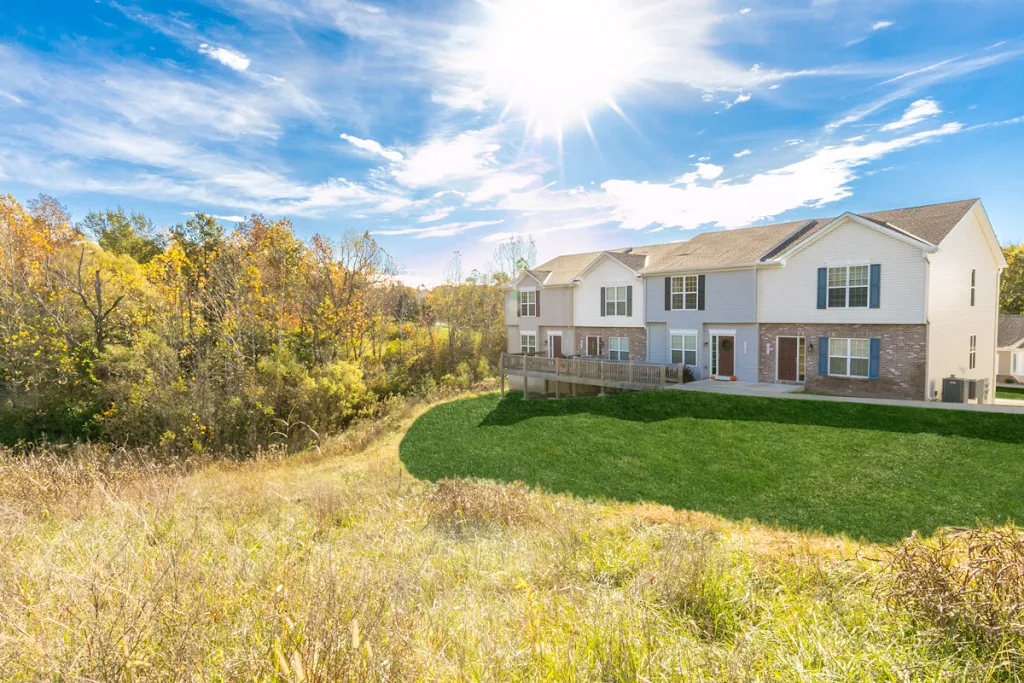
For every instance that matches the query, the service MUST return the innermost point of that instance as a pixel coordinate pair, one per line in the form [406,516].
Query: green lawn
[872,472]
[1011,393]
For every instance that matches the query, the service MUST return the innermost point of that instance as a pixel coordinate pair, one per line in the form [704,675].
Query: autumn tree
[515,255]
[1011,296]
[126,234]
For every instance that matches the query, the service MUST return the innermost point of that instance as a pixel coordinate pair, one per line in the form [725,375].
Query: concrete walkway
[795,392]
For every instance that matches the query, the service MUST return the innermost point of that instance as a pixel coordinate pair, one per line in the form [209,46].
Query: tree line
[200,338]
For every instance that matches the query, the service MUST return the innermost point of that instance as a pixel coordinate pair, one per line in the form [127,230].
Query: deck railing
[594,370]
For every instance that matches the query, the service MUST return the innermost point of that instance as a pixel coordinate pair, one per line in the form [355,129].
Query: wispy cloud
[915,113]
[229,58]
[744,153]
[373,147]
[445,230]
[879,25]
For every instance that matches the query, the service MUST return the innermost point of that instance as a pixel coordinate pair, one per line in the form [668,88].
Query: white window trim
[974,285]
[801,358]
[586,345]
[696,342]
[619,350]
[828,287]
[673,293]
[849,357]
[625,299]
[522,303]
[972,358]
[523,347]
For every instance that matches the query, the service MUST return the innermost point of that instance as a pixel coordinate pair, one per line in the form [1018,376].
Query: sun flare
[557,61]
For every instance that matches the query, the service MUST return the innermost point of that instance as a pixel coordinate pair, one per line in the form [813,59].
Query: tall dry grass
[339,566]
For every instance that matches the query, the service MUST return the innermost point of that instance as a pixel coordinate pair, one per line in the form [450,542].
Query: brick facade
[902,362]
[637,340]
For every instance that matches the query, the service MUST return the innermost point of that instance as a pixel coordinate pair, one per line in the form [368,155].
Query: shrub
[965,584]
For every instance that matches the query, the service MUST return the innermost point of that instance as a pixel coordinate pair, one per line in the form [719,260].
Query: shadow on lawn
[668,405]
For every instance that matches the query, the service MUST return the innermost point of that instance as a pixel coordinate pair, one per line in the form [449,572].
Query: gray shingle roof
[723,248]
[1011,330]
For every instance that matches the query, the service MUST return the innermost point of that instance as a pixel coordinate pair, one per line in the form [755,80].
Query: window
[973,360]
[848,286]
[528,343]
[849,357]
[801,360]
[618,348]
[684,349]
[684,292]
[615,301]
[528,304]
[974,282]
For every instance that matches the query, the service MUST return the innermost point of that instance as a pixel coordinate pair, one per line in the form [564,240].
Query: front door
[593,346]
[787,359]
[555,345]
[726,356]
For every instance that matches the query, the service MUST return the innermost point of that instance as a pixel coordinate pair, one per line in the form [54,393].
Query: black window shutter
[700,292]
[519,309]
[602,302]
[537,299]
[629,300]
[668,294]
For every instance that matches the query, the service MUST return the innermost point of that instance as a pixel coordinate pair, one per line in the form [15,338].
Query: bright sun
[557,61]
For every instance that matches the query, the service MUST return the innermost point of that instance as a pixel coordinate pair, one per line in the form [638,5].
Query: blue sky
[444,126]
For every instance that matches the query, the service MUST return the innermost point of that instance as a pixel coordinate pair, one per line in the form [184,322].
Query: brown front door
[592,346]
[556,346]
[787,359]
[726,356]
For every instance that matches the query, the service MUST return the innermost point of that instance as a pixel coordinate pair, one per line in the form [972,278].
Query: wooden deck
[592,372]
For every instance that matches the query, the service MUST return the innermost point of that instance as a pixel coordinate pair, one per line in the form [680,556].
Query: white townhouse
[881,304]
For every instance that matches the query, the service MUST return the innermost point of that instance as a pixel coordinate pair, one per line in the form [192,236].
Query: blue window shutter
[822,287]
[823,356]
[876,285]
[629,300]
[602,302]
[876,356]
[700,292]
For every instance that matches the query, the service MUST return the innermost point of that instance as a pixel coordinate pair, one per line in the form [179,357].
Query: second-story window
[684,293]
[528,304]
[615,301]
[973,359]
[974,282]
[848,286]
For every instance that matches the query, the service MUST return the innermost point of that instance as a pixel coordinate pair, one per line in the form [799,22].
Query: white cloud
[820,179]
[500,184]
[879,25]
[445,230]
[438,215]
[443,160]
[915,113]
[373,147]
[703,172]
[740,99]
[774,86]
[229,58]
[744,153]
[745,10]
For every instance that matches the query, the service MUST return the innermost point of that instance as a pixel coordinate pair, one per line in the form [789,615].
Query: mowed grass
[1010,393]
[870,472]
[341,567]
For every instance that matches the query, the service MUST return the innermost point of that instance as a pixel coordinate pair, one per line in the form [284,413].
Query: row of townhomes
[880,304]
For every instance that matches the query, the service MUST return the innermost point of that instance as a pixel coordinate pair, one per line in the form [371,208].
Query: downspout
[995,338]
[927,327]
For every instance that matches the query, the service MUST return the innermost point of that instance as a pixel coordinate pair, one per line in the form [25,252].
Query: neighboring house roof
[724,248]
[1011,331]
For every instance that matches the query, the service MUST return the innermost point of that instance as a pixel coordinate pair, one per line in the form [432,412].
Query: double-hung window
[528,304]
[684,292]
[849,357]
[618,348]
[615,301]
[974,283]
[848,286]
[684,349]
[973,359]
[528,344]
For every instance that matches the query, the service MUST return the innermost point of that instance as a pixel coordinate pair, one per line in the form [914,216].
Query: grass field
[1010,393]
[872,472]
[339,566]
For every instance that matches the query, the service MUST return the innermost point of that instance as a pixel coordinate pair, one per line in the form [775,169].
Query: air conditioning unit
[954,390]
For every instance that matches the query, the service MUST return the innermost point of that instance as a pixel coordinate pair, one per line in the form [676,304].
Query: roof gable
[1011,331]
[852,218]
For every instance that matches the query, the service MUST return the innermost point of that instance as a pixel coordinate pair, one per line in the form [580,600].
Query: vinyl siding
[788,294]
[952,320]
[586,305]
[555,307]
[729,297]
[658,340]
[657,343]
